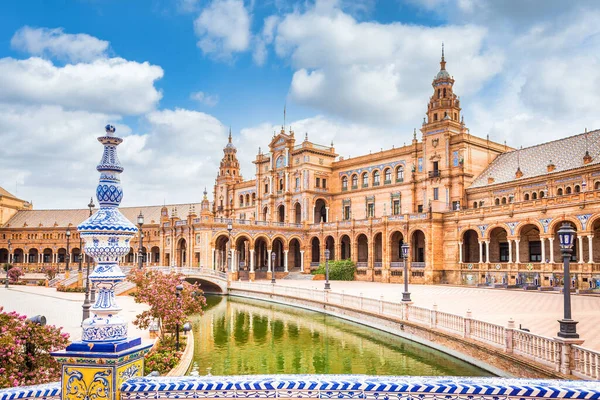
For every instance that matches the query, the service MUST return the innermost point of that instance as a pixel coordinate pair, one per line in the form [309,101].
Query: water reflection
[239,336]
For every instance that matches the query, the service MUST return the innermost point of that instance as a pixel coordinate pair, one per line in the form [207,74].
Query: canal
[238,336]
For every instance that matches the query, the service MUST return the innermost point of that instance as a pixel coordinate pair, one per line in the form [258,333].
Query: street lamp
[229,229]
[68,248]
[140,221]
[566,237]
[405,295]
[327,286]
[86,302]
[8,264]
[89,289]
[273,267]
[178,290]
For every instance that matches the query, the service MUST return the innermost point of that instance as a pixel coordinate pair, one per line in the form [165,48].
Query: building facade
[473,211]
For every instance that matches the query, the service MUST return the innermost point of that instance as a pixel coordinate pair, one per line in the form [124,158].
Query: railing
[417,264]
[362,264]
[540,349]
[397,264]
[435,174]
[587,363]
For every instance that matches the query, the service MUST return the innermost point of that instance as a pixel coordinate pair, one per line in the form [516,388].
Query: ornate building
[473,211]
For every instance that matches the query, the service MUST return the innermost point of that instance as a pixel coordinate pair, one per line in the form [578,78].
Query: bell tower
[229,175]
[444,105]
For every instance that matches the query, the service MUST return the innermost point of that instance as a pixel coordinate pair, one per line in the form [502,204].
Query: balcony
[400,180]
[354,187]
[435,173]
[387,182]
[344,188]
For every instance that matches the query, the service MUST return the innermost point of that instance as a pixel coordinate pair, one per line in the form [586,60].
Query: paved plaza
[536,311]
[63,309]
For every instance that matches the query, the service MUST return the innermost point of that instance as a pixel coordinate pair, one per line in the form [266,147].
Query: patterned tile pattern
[46,391]
[565,154]
[353,387]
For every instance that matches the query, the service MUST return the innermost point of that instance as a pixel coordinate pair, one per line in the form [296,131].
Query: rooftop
[565,154]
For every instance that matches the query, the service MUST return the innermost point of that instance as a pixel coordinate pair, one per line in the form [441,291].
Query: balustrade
[586,363]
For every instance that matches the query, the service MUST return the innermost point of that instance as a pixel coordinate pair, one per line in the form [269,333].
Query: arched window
[444,95]
[354,181]
[241,200]
[439,93]
[400,174]
[534,196]
[281,184]
[526,197]
[559,192]
[376,178]
[577,189]
[253,198]
[387,176]
[247,199]
[504,200]
[474,204]
[542,194]
[497,201]
[344,183]
[365,180]
[568,190]
[597,185]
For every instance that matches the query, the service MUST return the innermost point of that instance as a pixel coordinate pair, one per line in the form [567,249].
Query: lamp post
[68,250]
[327,286]
[566,237]
[405,294]
[178,290]
[140,221]
[8,264]
[229,229]
[273,267]
[89,289]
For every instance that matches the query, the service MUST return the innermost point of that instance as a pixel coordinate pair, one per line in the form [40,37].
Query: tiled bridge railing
[331,387]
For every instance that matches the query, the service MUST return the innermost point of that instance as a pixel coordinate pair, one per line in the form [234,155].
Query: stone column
[480,252]
[517,256]
[302,260]
[543,240]
[313,215]
[269,259]
[326,214]
[510,251]
[214,258]
[460,252]
[551,240]
[251,260]
[285,260]
[590,249]
[487,251]
[580,249]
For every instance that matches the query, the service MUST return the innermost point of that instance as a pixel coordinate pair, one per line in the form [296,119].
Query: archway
[265,213]
[298,213]
[281,213]
[34,256]
[363,250]
[315,252]
[3,256]
[260,254]
[470,246]
[396,242]
[320,214]
[294,255]
[498,246]
[530,245]
[418,255]
[278,251]
[345,248]
[242,253]
[181,253]
[557,253]
[17,256]
[378,250]
[155,254]
[47,256]
[221,248]
[130,256]
[330,245]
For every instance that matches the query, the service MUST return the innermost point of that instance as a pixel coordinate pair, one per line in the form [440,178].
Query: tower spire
[443,62]
[229,133]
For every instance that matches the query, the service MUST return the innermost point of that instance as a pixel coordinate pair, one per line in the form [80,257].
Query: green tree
[339,270]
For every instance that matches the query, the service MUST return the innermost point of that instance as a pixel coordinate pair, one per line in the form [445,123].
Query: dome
[230,146]
[443,74]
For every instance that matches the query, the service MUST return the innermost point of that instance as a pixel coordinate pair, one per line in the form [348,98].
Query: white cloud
[55,43]
[110,85]
[205,98]
[265,38]
[223,28]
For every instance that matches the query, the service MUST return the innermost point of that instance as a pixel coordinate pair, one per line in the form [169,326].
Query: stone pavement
[64,309]
[536,311]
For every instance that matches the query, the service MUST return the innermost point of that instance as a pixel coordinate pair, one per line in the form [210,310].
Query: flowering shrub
[61,288]
[25,351]
[14,274]
[163,358]
[157,289]
[50,272]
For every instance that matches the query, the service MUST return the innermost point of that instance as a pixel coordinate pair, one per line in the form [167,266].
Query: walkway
[535,311]
[64,309]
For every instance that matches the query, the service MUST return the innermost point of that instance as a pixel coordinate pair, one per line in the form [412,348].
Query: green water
[239,336]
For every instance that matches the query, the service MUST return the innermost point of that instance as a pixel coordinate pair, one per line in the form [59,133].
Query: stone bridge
[210,281]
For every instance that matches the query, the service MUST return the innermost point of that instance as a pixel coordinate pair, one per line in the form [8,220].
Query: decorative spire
[284,107]
[205,193]
[229,133]
[587,158]
[415,134]
[519,173]
[443,62]
[332,143]
[306,136]
[107,234]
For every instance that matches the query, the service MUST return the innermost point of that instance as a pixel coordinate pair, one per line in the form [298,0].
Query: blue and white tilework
[46,391]
[354,387]
[107,234]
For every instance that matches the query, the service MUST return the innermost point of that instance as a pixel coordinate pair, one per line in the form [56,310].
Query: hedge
[339,270]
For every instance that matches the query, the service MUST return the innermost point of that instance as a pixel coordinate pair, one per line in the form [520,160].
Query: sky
[174,76]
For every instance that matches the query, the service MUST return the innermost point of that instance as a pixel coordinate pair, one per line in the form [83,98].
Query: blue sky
[174,75]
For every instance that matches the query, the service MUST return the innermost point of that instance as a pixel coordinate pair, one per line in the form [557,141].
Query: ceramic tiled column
[105,357]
